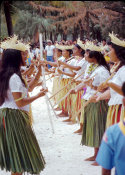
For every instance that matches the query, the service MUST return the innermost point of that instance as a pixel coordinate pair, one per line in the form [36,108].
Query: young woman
[19,149]
[117,55]
[65,77]
[94,113]
[78,67]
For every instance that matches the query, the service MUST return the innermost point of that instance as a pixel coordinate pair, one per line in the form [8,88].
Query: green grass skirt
[94,123]
[19,149]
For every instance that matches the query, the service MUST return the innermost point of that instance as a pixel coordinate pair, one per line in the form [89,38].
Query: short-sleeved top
[67,70]
[15,85]
[101,75]
[112,150]
[49,50]
[118,79]
[82,63]
[62,58]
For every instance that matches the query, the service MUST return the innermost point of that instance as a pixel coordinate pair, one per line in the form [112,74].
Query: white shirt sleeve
[122,74]
[102,74]
[15,84]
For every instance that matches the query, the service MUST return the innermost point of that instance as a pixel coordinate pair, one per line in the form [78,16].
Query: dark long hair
[82,52]
[120,52]
[99,58]
[11,62]
[70,52]
[123,89]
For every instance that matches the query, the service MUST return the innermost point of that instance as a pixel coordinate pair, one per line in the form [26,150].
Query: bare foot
[67,120]
[95,164]
[62,115]
[71,123]
[78,131]
[91,158]
[57,109]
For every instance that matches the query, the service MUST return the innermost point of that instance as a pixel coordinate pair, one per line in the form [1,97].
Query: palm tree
[7,8]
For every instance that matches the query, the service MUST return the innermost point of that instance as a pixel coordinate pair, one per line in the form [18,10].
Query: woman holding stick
[114,93]
[19,149]
[78,68]
[94,113]
[65,77]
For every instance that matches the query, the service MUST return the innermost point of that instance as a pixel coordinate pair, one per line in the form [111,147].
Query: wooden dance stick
[52,76]
[44,82]
[96,92]
[69,92]
[66,85]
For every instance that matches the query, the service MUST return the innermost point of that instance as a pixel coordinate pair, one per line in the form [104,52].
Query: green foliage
[67,18]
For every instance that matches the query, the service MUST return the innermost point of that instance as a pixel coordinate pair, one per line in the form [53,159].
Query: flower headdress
[91,46]
[116,40]
[64,47]
[79,42]
[14,43]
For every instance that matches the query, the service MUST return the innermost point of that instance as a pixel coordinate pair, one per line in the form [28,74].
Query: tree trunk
[75,34]
[51,37]
[36,35]
[88,28]
[55,36]
[45,35]
[8,17]
[81,34]
[64,36]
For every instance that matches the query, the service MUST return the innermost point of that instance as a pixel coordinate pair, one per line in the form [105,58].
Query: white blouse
[118,79]
[83,64]
[67,70]
[101,75]
[15,85]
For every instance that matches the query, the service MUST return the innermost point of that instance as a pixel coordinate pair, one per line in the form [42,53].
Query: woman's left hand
[93,99]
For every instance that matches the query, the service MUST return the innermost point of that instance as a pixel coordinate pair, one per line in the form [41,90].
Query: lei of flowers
[91,68]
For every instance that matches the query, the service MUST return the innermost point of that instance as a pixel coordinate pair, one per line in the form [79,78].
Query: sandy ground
[62,150]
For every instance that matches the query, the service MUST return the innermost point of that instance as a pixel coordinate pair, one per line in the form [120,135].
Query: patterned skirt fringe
[75,104]
[64,104]
[19,149]
[56,87]
[115,114]
[94,123]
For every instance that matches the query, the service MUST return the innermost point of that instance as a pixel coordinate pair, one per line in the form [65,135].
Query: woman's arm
[115,87]
[29,71]
[78,88]
[104,96]
[21,102]
[33,83]
[76,68]
[106,172]
[68,74]
[51,63]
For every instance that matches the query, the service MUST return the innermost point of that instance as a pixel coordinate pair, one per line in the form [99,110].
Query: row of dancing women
[87,88]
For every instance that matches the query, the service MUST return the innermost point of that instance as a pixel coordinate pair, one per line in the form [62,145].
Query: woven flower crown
[91,46]
[14,43]
[79,42]
[64,47]
[116,40]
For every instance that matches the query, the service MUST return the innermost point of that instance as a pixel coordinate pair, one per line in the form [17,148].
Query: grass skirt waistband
[19,149]
[94,123]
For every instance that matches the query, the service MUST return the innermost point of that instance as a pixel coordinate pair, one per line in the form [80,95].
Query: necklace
[115,66]
[92,68]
